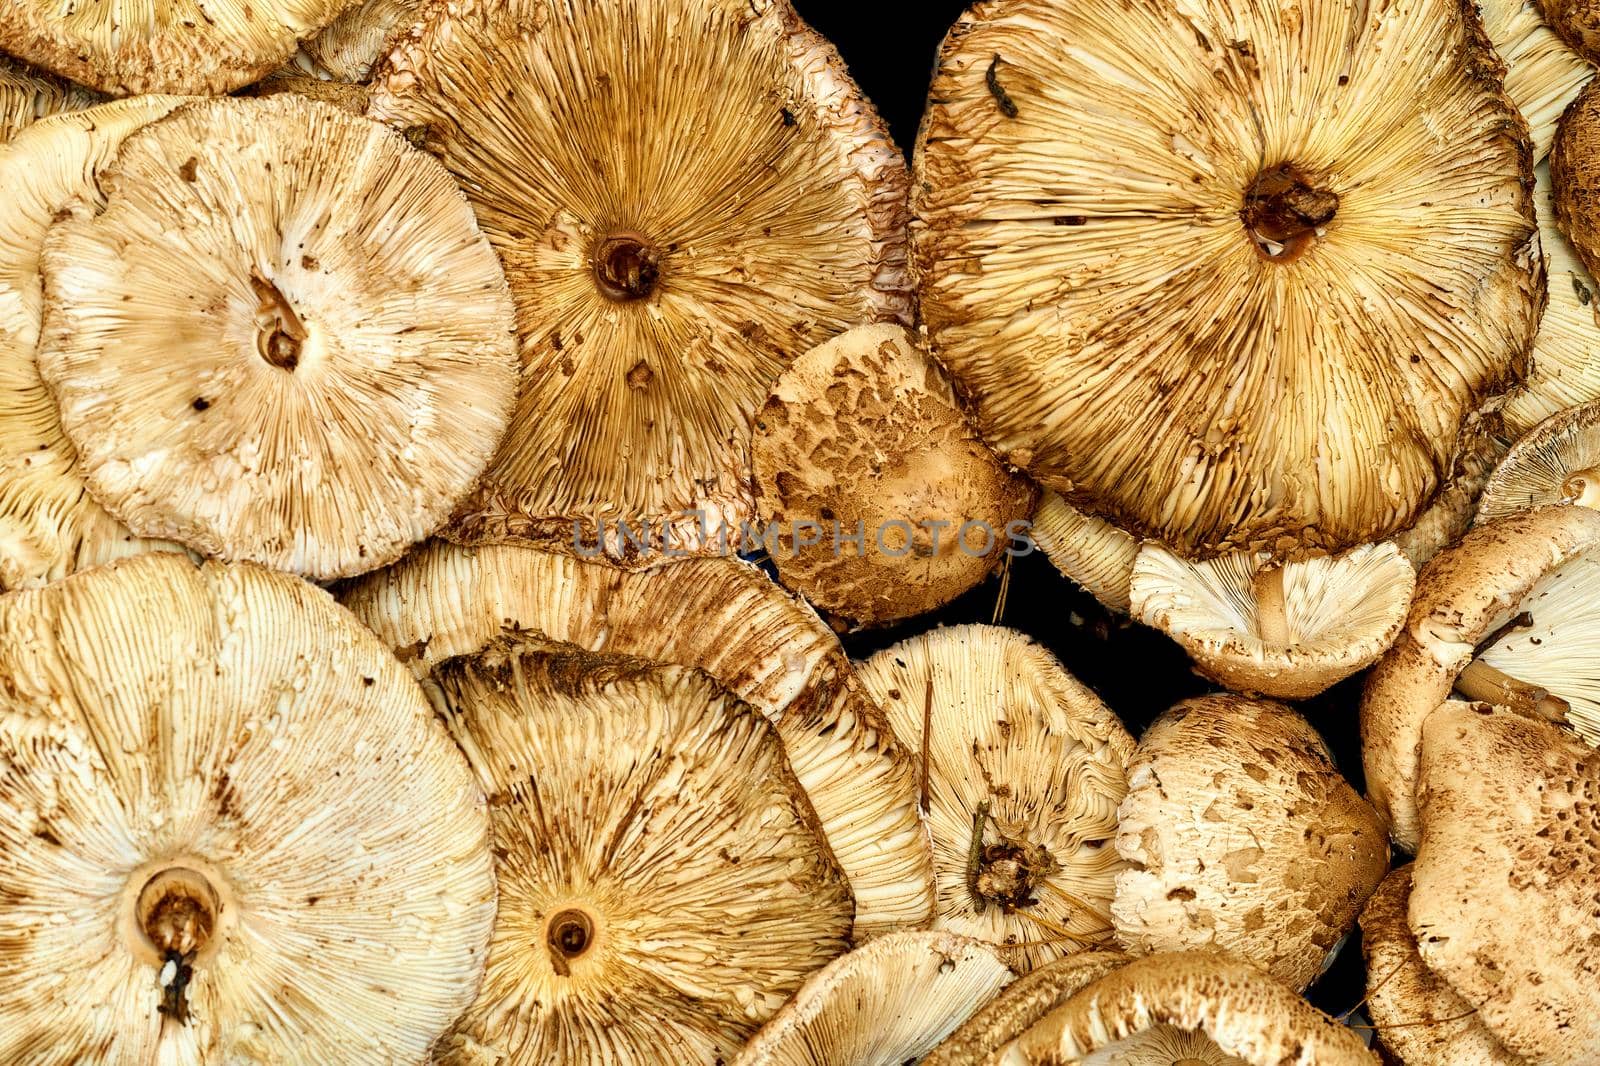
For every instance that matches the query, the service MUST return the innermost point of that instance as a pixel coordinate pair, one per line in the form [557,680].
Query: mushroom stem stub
[1284,212]
[570,934]
[281,331]
[626,267]
[1482,682]
[1272,619]
[1582,487]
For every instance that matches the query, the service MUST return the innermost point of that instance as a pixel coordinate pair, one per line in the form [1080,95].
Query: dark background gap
[890,47]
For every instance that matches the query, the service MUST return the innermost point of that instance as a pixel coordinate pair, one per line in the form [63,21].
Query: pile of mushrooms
[507,510]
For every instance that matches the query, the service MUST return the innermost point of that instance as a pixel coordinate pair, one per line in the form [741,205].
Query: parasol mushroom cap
[49,524]
[1090,552]
[863,437]
[1575,175]
[1203,1007]
[664,885]
[885,1004]
[27,95]
[349,47]
[339,368]
[1508,614]
[1023,771]
[1506,877]
[1201,309]
[668,260]
[1241,834]
[1288,630]
[1419,1018]
[232,829]
[1543,74]
[1557,461]
[722,616]
[1577,22]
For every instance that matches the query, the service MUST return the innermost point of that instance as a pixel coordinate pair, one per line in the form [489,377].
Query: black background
[890,47]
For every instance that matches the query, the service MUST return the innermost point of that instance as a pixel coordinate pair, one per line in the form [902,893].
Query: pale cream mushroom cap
[219,795]
[1542,73]
[1089,551]
[27,95]
[1242,834]
[1024,770]
[281,338]
[350,46]
[720,615]
[1288,630]
[49,524]
[1557,461]
[885,1004]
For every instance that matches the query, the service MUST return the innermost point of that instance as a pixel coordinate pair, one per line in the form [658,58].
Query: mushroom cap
[1449,517]
[1507,875]
[1541,561]
[1089,551]
[979,1040]
[667,261]
[864,434]
[1418,1017]
[885,1004]
[1243,834]
[1205,1005]
[49,524]
[291,79]
[1575,174]
[1542,73]
[723,616]
[1557,461]
[1577,22]
[27,95]
[1289,631]
[1289,375]
[664,885]
[350,46]
[161,46]
[341,366]
[1009,733]
[223,744]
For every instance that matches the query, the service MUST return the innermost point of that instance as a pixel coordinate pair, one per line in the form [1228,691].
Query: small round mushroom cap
[1024,771]
[664,886]
[1203,1007]
[885,1004]
[1507,874]
[668,258]
[350,46]
[1243,835]
[1089,551]
[1449,517]
[1507,615]
[233,831]
[1543,74]
[1420,1020]
[1155,271]
[27,95]
[863,436]
[1557,461]
[49,524]
[1575,174]
[1289,630]
[338,366]
[723,616]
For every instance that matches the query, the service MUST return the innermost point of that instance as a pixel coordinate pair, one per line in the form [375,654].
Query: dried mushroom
[1577,22]
[349,47]
[1575,176]
[1089,551]
[1542,73]
[1557,461]
[1449,517]
[28,95]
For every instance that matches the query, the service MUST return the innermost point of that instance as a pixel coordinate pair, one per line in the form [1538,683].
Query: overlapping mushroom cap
[1089,551]
[28,95]
[980,1039]
[675,230]
[1575,175]
[231,829]
[350,46]
[1543,74]
[1235,277]
[1557,461]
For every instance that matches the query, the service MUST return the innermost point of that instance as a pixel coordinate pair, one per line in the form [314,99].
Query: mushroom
[1021,774]
[664,885]
[883,502]
[1557,461]
[1449,517]
[341,94]
[885,1004]
[1201,290]
[49,524]
[314,373]
[349,47]
[1089,551]
[1289,630]
[28,95]
[1577,22]
[1504,891]
[1419,1019]
[1504,616]
[1575,176]
[1194,1008]
[675,233]
[161,46]
[722,616]
[232,829]
[1542,73]
[1242,834]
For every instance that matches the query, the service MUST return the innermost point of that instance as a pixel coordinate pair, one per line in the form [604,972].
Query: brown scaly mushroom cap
[1575,175]
[885,1004]
[1542,73]
[1507,876]
[668,259]
[232,830]
[1160,277]
[1509,616]
[340,366]
[1577,22]
[1195,1008]
[664,886]
[864,434]
[1557,461]
[1023,771]
[27,95]
[1243,835]
[1090,552]
[1289,630]
[349,47]
[723,616]
[127,47]
[1420,1020]
[49,524]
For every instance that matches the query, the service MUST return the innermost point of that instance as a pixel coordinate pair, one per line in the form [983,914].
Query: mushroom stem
[980,817]
[1480,681]
[1582,487]
[1272,619]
